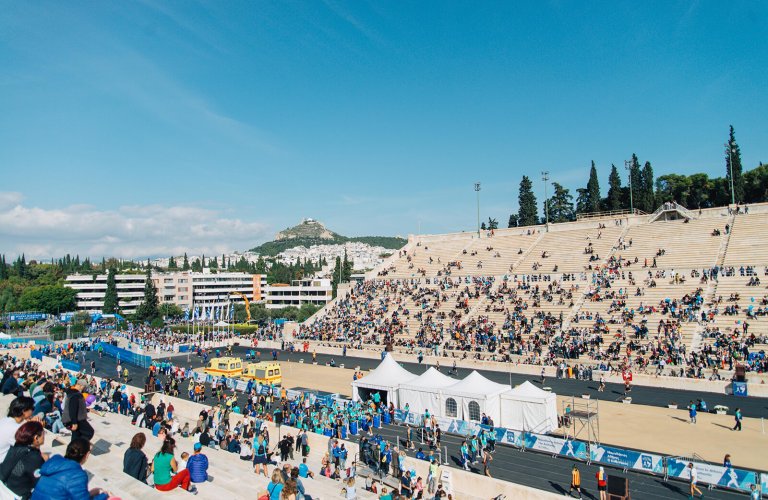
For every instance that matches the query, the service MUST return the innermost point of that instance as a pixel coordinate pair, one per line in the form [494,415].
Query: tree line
[643,191]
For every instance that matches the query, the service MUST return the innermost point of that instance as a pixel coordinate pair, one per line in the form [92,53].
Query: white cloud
[128,232]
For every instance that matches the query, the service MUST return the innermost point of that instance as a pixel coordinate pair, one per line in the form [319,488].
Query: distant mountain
[311,232]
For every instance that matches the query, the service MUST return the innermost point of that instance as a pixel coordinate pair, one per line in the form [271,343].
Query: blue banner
[627,459]
[740,389]
[36,354]
[717,475]
[124,355]
[70,365]
[27,316]
[556,446]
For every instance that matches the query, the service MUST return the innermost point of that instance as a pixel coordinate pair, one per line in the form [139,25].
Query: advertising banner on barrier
[510,437]
[556,446]
[241,385]
[27,316]
[630,459]
[726,477]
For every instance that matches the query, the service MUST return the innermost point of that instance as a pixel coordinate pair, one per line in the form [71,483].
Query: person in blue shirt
[304,470]
[198,465]
[156,428]
[420,455]
[692,412]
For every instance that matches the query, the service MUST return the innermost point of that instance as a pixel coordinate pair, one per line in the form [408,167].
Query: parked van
[264,372]
[229,367]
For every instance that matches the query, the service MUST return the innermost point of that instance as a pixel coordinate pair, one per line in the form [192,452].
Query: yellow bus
[229,367]
[264,372]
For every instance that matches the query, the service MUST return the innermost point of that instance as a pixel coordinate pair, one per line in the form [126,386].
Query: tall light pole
[545,178]
[477,190]
[730,147]
[628,166]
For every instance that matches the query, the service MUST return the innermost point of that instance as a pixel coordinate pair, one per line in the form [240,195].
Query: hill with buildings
[312,232]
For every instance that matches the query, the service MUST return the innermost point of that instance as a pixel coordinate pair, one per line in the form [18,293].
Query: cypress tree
[149,309]
[648,196]
[733,154]
[185,264]
[614,200]
[528,212]
[110,296]
[593,190]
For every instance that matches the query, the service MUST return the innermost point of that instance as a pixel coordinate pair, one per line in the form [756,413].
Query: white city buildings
[362,255]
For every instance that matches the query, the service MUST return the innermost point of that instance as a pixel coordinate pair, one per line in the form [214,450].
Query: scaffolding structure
[581,419]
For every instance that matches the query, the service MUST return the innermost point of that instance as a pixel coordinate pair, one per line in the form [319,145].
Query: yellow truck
[266,372]
[229,367]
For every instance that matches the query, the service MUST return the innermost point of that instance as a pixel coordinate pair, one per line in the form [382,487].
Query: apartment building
[317,291]
[182,288]
[91,289]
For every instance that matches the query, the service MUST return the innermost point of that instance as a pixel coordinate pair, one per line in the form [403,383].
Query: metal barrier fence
[124,355]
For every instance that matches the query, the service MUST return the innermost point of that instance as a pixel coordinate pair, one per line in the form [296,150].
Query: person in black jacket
[18,470]
[75,416]
[135,462]
[11,384]
[149,415]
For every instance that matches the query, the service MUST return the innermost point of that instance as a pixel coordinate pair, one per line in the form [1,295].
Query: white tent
[528,408]
[221,323]
[423,392]
[471,397]
[385,379]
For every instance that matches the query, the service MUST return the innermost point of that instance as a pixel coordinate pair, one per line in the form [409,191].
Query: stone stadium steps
[688,245]
[744,247]
[565,249]
[728,286]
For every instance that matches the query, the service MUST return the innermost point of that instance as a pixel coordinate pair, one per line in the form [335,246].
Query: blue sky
[241,118]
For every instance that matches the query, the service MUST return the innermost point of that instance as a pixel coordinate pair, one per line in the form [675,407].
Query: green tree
[110,295]
[647,197]
[51,299]
[512,220]
[492,223]
[593,190]
[172,266]
[755,185]
[733,166]
[185,264]
[305,311]
[528,211]
[614,199]
[170,310]
[197,266]
[560,205]
[3,268]
[149,309]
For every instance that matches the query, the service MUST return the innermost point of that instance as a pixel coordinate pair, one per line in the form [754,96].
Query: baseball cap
[198,447]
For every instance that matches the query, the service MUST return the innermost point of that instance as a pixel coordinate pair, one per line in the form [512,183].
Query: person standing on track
[487,462]
[602,483]
[575,481]
[694,478]
[737,416]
